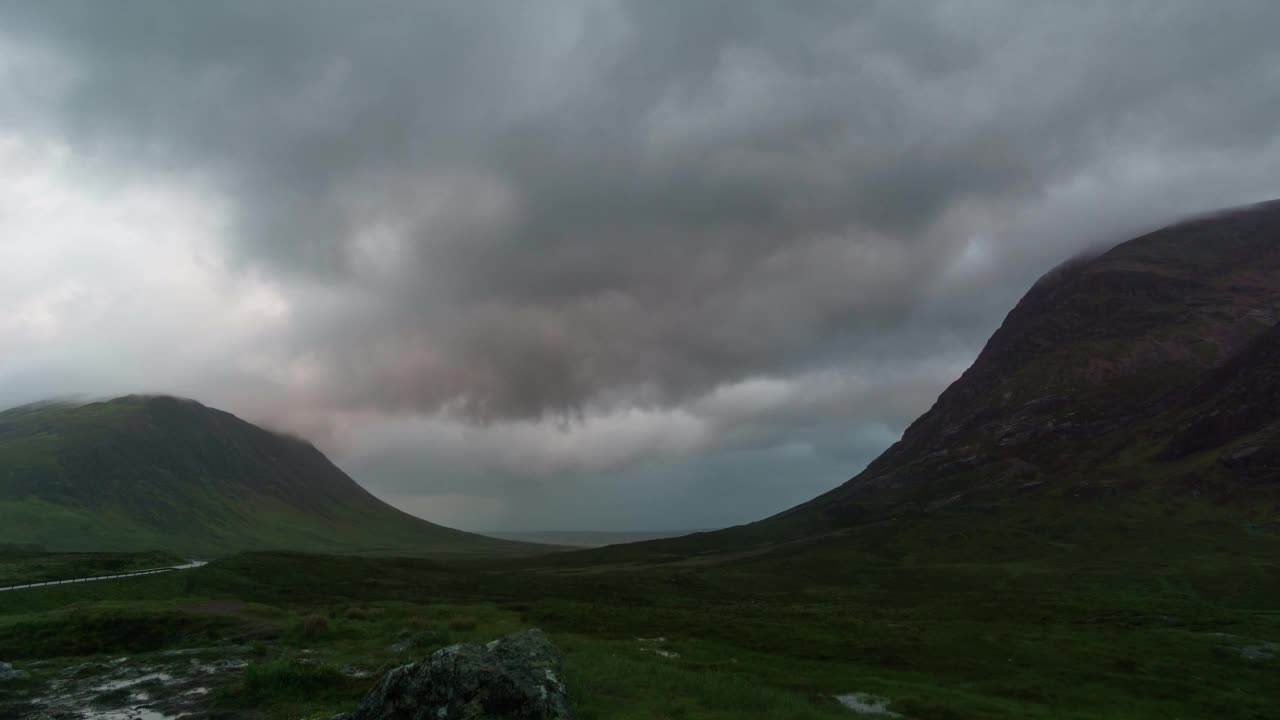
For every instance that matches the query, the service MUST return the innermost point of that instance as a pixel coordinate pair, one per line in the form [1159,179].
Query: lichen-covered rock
[516,677]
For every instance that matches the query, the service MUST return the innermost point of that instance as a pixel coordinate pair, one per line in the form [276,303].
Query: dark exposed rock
[8,673]
[516,677]
[1109,377]
[1240,397]
[1240,457]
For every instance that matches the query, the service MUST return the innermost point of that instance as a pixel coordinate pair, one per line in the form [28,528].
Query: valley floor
[823,633]
[587,538]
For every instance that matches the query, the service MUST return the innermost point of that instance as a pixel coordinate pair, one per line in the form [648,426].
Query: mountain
[1147,368]
[144,472]
[1128,394]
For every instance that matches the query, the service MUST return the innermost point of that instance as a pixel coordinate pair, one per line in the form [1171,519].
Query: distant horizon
[589,538]
[592,532]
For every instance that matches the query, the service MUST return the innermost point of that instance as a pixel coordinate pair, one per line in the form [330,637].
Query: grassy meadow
[1074,634]
[27,566]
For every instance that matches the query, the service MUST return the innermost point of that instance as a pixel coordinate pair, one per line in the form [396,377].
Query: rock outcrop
[517,677]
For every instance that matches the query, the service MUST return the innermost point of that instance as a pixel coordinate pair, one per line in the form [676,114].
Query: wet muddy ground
[153,686]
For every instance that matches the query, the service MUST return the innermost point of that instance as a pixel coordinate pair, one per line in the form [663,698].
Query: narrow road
[152,571]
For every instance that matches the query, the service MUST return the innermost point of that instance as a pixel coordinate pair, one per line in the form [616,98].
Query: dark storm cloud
[515,211]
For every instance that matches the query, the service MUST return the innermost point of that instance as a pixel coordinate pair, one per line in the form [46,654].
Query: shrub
[363,613]
[289,680]
[462,623]
[432,638]
[314,625]
[925,709]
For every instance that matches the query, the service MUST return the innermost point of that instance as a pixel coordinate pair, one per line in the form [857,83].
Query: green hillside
[140,473]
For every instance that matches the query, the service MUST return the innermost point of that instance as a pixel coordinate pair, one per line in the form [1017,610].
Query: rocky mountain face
[1239,399]
[142,472]
[1154,366]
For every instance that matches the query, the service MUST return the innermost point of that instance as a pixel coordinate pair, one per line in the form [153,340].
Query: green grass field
[1078,633]
[27,566]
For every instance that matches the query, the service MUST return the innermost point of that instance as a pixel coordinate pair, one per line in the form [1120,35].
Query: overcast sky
[588,265]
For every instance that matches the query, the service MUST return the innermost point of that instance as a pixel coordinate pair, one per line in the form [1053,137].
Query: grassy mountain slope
[160,472]
[1129,396]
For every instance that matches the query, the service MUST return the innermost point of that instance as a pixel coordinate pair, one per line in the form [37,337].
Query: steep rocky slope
[1144,366]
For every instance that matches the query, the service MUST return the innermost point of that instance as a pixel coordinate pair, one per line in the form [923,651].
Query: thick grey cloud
[579,223]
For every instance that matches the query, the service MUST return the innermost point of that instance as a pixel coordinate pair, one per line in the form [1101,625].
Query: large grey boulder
[516,677]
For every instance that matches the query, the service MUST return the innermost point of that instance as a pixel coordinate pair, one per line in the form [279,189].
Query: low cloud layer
[573,264]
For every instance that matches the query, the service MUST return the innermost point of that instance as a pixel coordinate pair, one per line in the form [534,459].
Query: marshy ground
[823,633]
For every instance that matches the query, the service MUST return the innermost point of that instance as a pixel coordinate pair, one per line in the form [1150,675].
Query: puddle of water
[130,682]
[1264,651]
[867,704]
[218,666]
[135,688]
[128,714]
